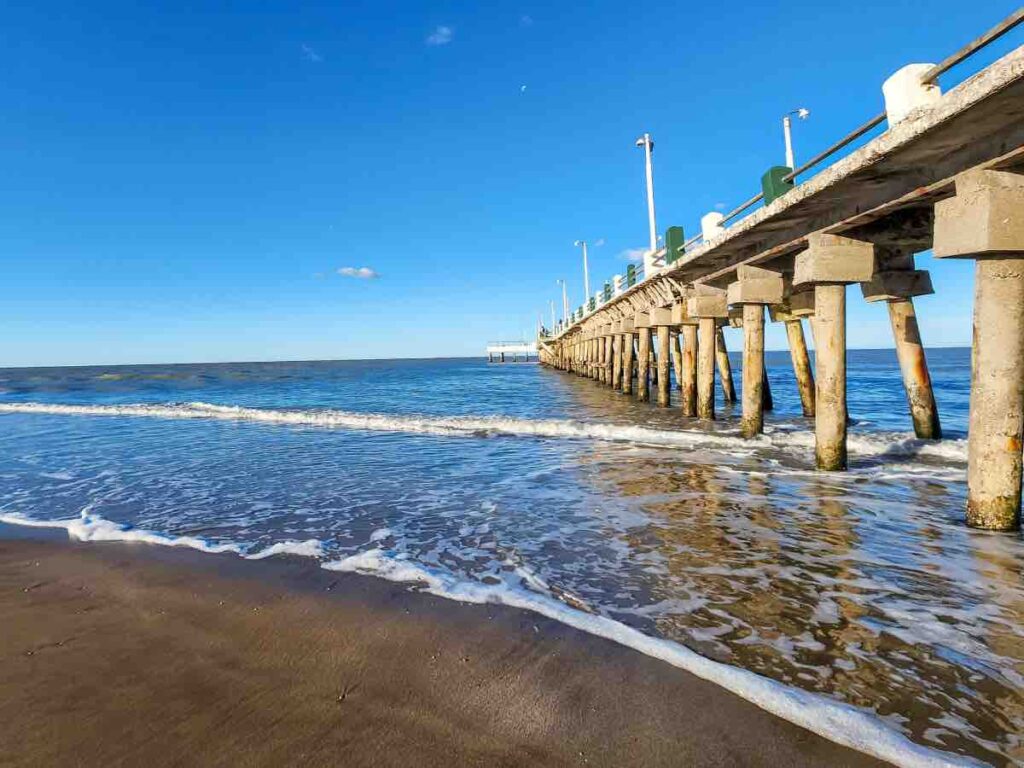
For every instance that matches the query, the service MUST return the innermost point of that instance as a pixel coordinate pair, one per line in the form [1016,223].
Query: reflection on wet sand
[866,588]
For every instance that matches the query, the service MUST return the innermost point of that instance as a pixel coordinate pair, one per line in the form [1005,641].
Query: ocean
[855,603]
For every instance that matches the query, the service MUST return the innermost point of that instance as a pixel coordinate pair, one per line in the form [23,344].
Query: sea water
[839,600]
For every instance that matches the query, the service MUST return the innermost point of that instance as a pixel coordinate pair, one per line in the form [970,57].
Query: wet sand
[131,654]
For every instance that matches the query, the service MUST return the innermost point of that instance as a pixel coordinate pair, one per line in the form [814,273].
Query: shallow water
[864,586]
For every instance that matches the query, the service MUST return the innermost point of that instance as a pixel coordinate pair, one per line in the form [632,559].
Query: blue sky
[184,183]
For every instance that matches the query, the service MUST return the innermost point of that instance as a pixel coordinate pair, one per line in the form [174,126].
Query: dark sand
[135,655]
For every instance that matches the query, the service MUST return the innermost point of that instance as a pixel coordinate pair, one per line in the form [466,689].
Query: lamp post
[647,144]
[552,317]
[586,273]
[565,303]
[787,130]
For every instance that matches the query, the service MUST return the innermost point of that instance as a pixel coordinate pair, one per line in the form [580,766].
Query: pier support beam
[896,283]
[643,353]
[753,289]
[801,364]
[707,305]
[677,358]
[829,264]
[985,222]
[661,319]
[627,360]
[724,366]
[609,356]
[616,357]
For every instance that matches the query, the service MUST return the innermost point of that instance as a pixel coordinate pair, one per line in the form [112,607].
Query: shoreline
[137,652]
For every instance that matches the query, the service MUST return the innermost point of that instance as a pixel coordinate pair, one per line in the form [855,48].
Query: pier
[946,175]
[502,351]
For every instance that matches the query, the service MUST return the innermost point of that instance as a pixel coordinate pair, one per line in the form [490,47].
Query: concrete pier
[677,358]
[944,175]
[985,221]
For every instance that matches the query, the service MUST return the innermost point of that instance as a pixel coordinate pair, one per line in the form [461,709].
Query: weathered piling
[897,283]
[801,364]
[985,222]
[643,389]
[661,318]
[609,355]
[677,358]
[753,290]
[627,360]
[616,357]
[707,305]
[706,368]
[829,264]
[689,380]
[724,366]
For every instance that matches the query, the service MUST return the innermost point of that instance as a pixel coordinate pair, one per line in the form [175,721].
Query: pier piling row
[947,175]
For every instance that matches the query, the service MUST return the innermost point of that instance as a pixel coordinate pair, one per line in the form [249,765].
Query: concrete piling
[677,358]
[916,379]
[627,362]
[643,390]
[752,423]
[985,222]
[801,364]
[689,378]
[829,264]
[616,359]
[664,377]
[830,395]
[753,290]
[724,367]
[706,368]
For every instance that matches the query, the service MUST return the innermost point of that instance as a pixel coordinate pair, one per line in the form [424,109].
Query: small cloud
[719,206]
[360,273]
[522,89]
[310,54]
[633,254]
[525,20]
[599,242]
[441,36]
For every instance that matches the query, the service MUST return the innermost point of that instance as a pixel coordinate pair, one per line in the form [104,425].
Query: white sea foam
[89,527]
[307,548]
[834,720]
[880,444]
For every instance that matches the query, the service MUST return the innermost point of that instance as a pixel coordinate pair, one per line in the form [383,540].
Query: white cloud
[361,273]
[633,254]
[311,55]
[441,36]
[599,242]
[525,20]
[719,206]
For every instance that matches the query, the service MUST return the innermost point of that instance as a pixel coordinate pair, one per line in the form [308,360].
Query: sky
[286,180]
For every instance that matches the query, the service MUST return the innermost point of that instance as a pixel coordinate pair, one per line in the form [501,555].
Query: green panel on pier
[772,184]
[674,240]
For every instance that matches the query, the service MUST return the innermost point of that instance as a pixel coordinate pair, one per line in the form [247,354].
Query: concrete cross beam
[893,285]
[834,259]
[680,316]
[641,320]
[660,316]
[985,221]
[707,302]
[755,285]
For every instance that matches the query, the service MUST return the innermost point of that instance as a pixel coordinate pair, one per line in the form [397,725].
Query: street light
[552,317]
[586,274]
[647,144]
[802,113]
[565,303]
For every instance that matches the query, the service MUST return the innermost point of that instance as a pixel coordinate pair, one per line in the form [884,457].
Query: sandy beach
[129,654]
